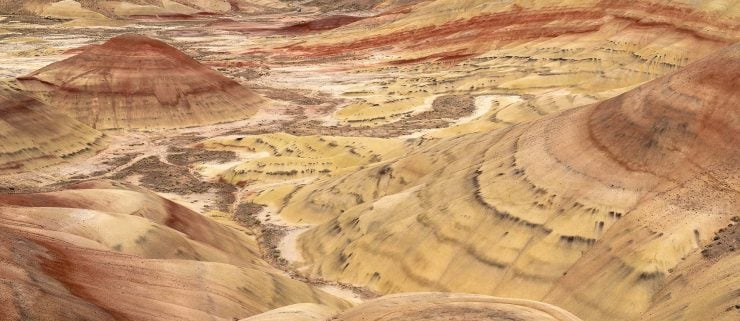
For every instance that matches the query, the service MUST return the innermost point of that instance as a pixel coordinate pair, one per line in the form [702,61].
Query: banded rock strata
[133,81]
[556,55]
[109,251]
[35,135]
[574,209]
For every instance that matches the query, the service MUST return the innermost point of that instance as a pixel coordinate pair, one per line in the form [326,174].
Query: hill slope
[574,209]
[132,81]
[34,135]
[108,251]
[425,306]
[551,54]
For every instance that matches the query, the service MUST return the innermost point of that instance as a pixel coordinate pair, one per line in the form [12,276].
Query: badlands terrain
[291,160]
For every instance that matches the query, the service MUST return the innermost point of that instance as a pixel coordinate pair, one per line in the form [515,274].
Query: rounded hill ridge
[133,81]
[33,135]
[606,200]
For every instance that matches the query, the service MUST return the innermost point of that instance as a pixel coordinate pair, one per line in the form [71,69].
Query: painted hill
[105,250]
[552,54]
[455,23]
[108,251]
[133,81]
[556,154]
[575,209]
[33,135]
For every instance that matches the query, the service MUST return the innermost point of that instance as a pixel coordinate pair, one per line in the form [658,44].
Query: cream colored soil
[485,105]
[199,202]
[343,293]
[212,170]
[289,245]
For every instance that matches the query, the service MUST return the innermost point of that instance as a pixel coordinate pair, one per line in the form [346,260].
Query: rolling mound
[296,312]
[132,81]
[108,251]
[574,209]
[452,307]
[33,135]
[425,306]
[277,157]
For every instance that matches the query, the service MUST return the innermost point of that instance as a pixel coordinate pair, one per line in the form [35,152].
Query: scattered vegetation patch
[725,240]
[184,156]
[246,214]
[163,177]
[268,235]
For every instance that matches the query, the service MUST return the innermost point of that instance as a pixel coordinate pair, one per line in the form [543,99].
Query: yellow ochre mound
[35,135]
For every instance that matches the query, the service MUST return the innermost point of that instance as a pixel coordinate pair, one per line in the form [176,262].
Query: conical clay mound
[132,81]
